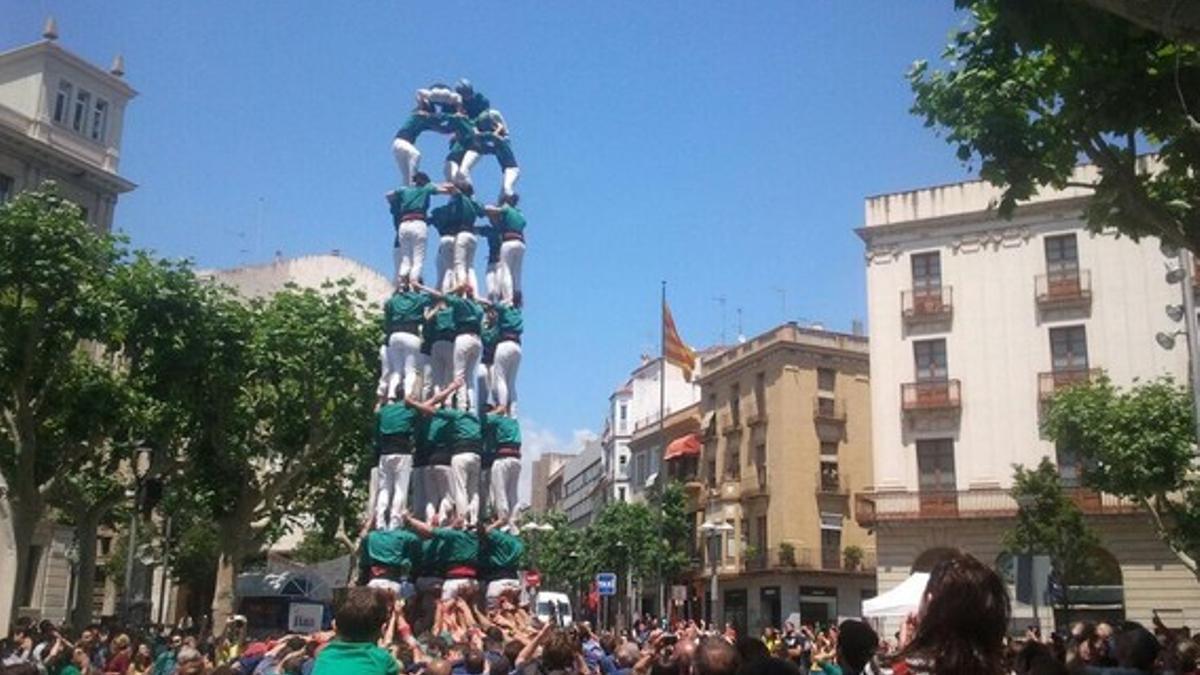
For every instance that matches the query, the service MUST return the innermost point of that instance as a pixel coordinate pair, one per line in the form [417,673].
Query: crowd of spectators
[961,628]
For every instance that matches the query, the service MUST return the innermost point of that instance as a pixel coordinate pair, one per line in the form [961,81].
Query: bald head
[438,667]
[715,656]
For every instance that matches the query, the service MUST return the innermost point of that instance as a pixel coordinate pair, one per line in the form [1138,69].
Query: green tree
[318,546]
[1030,87]
[671,512]
[1138,444]
[559,554]
[1049,523]
[54,276]
[291,443]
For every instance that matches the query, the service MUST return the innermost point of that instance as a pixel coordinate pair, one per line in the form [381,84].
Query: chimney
[50,30]
[118,66]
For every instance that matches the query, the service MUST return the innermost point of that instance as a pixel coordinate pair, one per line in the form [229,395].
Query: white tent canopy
[899,601]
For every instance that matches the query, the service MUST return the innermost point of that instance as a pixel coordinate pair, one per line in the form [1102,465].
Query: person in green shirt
[426,117]
[398,427]
[466,443]
[455,223]
[455,551]
[506,360]
[386,559]
[438,476]
[403,314]
[509,225]
[500,555]
[467,313]
[355,651]
[494,143]
[409,207]
[502,445]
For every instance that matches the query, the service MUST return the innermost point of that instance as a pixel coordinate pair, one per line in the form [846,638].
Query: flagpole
[662,418]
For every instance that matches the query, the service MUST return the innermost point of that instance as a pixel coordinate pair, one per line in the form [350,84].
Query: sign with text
[606,583]
[305,617]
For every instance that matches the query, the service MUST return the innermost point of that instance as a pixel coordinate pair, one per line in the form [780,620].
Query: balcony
[758,484]
[829,410]
[832,482]
[927,304]
[938,395]
[729,423]
[785,557]
[1064,290]
[1050,383]
[873,508]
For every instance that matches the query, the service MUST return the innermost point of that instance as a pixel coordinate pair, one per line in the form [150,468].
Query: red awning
[684,446]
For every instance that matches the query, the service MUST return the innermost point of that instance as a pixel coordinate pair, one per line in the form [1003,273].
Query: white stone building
[61,119]
[974,322]
[635,406]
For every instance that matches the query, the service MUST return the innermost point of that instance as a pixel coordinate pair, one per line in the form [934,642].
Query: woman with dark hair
[962,622]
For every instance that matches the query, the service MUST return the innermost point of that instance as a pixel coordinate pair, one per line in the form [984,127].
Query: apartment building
[975,321]
[784,440]
[543,468]
[583,486]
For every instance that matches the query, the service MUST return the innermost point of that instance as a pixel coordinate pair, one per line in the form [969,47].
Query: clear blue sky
[725,147]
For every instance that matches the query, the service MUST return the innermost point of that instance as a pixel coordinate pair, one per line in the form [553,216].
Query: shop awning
[684,446]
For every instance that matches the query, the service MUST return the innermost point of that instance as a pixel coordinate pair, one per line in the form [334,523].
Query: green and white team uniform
[500,562]
[468,346]
[397,428]
[467,443]
[386,560]
[403,314]
[456,555]
[511,223]
[438,477]
[502,442]
[409,207]
[498,145]
[404,145]
[506,360]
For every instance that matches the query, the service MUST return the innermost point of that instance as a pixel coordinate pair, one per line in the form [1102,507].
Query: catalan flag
[674,350]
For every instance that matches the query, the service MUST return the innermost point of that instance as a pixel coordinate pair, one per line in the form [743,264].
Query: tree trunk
[85,543]
[27,509]
[224,590]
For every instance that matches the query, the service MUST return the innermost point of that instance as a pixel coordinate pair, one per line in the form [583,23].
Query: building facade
[785,439]
[635,409]
[542,468]
[975,322]
[584,483]
[61,119]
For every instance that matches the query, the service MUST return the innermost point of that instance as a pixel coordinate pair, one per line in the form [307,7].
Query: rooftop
[788,334]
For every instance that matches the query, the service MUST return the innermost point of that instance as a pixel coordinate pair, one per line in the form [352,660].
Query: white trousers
[464,260]
[410,253]
[445,264]
[439,491]
[385,373]
[506,474]
[505,365]
[441,362]
[491,280]
[391,500]
[450,168]
[451,588]
[512,255]
[483,385]
[408,157]
[404,354]
[440,95]
[466,485]
[467,350]
[500,587]
[470,158]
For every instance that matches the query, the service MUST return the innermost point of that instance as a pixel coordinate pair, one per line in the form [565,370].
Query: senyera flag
[674,349]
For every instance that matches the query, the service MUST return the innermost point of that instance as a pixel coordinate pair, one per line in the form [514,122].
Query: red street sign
[533,578]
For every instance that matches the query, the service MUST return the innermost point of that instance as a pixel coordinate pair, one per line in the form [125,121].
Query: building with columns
[975,321]
[61,119]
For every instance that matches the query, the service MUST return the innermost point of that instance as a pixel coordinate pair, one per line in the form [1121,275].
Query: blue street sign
[606,583]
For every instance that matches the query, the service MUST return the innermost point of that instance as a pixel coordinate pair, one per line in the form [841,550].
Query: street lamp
[141,467]
[713,530]
[1180,268]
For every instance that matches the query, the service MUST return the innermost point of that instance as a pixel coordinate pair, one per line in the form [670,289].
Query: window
[622,460]
[105,546]
[830,478]
[1062,255]
[62,102]
[829,449]
[826,407]
[930,356]
[733,461]
[735,404]
[79,118]
[760,463]
[6,188]
[100,120]
[1070,466]
[761,530]
[927,273]
[1068,348]
[935,464]
[730,541]
[620,493]
[826,379]
[760,394]
[623,417]
[712,473]
[831,541]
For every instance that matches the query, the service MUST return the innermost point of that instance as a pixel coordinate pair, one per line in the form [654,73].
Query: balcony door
[937,484]
[1068,349]
[930,360]
[927,283]
[1062,266]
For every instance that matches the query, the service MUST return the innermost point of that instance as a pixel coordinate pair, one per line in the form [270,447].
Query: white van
[553,608]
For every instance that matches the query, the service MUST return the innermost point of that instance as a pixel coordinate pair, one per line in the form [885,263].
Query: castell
[447,438]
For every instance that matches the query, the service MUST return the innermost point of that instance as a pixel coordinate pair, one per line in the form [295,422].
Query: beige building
[786,439]
[974,322]
[542,468]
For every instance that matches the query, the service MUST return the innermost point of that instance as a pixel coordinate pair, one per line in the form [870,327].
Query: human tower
[446,427]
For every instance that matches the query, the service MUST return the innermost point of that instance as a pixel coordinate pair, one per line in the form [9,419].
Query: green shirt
[406,307]
[69,669]
[394,548]
[440,432]
[468,314]
[396,418]
[493,241]
[457,215]
[466,427]
[503,551]
[509,320]
[456,547]
[412,199]
[511,219]
[492,144]
[416,124]
[476,104]
[490,337]
[354,658]
[502,430]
